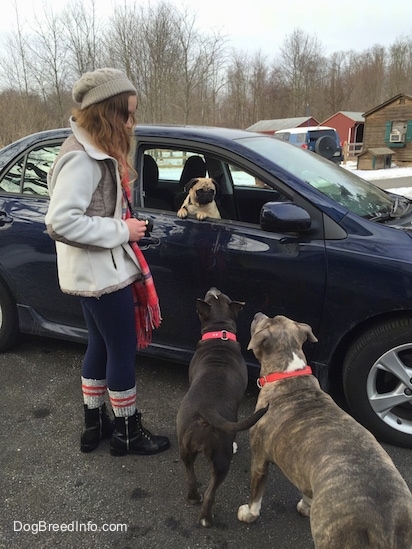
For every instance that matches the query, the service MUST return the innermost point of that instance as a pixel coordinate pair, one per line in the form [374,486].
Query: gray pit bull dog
[207,416]
[354,495]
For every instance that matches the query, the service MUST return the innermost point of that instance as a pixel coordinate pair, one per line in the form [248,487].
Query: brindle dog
[354,495]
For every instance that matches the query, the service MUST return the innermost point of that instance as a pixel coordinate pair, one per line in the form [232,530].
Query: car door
[28,258]
[273,273]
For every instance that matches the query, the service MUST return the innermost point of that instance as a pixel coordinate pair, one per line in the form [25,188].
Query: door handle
[5,219]
[148,242]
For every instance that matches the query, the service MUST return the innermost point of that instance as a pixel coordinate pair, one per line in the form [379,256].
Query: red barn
[350,126]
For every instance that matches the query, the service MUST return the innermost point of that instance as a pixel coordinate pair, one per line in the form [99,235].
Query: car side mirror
[284,217]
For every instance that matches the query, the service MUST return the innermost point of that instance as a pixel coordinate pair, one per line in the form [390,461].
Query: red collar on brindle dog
[277,376]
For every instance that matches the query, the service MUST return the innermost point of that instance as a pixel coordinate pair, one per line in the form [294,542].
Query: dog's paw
[234,448]
[201,216]
[194,499]
[303,506]
[244,514]
[182,213]
[206,522]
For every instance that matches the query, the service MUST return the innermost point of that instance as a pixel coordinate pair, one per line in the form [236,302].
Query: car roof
[306,129]
[191,131]
[201,134]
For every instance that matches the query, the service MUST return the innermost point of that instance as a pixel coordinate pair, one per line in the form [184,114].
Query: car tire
[325,146]
[9,320]
[377,381]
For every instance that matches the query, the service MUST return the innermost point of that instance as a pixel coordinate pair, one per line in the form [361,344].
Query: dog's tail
[219,422]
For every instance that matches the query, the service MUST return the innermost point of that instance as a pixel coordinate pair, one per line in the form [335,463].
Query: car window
[315,135]
[356,194]
[165,173]
[170,162]
[29,174]
[282,135]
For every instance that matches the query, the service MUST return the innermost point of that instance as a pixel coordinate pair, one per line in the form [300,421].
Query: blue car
[322,140]
[298,236]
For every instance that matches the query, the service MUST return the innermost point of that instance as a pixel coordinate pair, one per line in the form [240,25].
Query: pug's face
[202,190]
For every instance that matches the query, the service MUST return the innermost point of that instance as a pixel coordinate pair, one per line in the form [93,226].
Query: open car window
[166,173]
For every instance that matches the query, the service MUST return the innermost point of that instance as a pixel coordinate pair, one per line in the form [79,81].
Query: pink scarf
[146,302]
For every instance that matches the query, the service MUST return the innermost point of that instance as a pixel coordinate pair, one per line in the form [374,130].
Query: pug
[200,201]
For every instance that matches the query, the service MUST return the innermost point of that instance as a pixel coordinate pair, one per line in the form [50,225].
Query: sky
[263,25]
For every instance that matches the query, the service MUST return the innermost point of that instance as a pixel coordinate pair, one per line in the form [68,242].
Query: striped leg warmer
[93,391]
[123,402]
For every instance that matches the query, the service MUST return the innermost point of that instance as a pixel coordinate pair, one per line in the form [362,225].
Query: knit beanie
[96,86]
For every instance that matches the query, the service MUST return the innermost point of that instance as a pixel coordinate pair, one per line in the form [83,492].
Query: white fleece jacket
[85,218]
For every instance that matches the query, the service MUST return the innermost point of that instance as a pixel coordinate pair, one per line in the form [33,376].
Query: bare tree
[83,32]
[22,114]
[299,65]
[235,105]
[47,61]
[199,58]
[184,75]
[15,62]
[258,88]
[399,69]
[335,93]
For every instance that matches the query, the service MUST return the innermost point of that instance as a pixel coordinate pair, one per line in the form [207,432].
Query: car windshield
[356,194]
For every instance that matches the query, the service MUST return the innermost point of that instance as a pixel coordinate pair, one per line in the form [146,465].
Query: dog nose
[214,292]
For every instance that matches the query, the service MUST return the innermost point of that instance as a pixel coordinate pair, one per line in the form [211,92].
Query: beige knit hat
[96,86]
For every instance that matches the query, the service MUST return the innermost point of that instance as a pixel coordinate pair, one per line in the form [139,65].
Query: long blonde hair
[105,122]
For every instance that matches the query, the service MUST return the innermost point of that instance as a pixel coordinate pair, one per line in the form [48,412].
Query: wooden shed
[389,125]
[349,125]
[271,126]
[375,158]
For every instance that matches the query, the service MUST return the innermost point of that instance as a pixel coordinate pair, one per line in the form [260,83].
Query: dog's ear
[216,184]
[202,308]
[307,330]
[258,338]
[190,184]
[236,306]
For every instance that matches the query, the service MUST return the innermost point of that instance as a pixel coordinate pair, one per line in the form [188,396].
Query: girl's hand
[137,229]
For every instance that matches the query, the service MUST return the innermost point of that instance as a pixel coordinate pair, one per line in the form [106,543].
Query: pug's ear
[216,184]
[190,184]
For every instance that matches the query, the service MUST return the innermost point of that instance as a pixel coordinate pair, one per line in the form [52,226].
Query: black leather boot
[98,425]
[131,437]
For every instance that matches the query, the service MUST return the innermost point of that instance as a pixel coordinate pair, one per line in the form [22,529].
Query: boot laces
[144,432]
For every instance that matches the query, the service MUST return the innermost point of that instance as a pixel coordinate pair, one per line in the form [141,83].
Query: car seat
[150,182]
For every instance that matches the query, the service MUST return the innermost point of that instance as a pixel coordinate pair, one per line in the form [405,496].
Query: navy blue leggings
[111,348]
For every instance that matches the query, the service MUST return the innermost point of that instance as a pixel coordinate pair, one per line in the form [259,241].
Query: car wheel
[9,321]
[325,146]
[377,381]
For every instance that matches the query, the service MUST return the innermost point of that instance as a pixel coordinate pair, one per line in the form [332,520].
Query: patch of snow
[388,173]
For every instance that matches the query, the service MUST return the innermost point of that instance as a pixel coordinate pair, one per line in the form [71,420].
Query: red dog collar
[223,334]
[277,376]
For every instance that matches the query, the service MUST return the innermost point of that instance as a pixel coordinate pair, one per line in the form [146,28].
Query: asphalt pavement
[55,496]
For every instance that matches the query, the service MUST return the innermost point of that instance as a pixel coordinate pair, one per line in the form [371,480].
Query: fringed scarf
[146,302]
